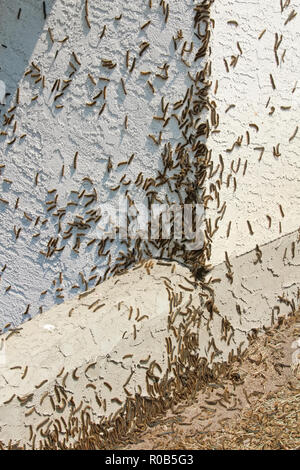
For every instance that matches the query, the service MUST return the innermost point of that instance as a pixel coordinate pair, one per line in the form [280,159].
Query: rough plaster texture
[273,180]
[260,278]
[53,136]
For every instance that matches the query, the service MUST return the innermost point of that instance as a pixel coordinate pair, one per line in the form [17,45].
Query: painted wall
[56,94]
[48,128]
[244,294]
[244,95]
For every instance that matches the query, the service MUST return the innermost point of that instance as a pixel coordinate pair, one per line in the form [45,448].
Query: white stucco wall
[250,290]
[272,181]
[53,136]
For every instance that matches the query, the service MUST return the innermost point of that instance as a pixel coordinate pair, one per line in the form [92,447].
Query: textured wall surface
[255,182]
[136,339]
[79,365]
[158,332]
[260,284]
[52,112]
[54,145]
[80,343]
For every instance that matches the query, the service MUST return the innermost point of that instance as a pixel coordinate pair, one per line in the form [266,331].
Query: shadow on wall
[168,168]
[21,25]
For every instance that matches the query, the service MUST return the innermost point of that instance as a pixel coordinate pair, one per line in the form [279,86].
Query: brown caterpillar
[108,386]
[102,109]
[281,210]
[276,151]
[127,356]
[76,58]
[75,161]
[239,48]
[97,308]
[116,400]
[58,96]
[250,228]
[92,79]
[25,373]
[9,400]
[132,65]
[128,379]
[294,134]
[87,14]
[262,149]
[91,386]
[226,64]
[98,95]
[255,126]
[272,82]
[41,384]
[25,399]
[290,17]
[234,22]
[230,107]
[146,24]
[30,412]
[44,10]
[167,14]
[103,32]
[123,86]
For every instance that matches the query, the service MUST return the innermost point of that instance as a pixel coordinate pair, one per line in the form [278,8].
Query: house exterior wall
[41,167]
[254,186]
[101,347]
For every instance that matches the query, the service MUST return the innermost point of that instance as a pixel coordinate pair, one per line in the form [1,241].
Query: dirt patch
[255,404]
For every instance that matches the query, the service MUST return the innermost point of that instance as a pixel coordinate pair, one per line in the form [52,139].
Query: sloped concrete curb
[131,334]
[91,351]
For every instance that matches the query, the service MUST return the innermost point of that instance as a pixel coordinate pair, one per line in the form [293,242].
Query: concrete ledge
[115,353]
[94,350]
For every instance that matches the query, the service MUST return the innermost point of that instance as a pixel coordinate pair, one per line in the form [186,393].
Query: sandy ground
[254,405]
